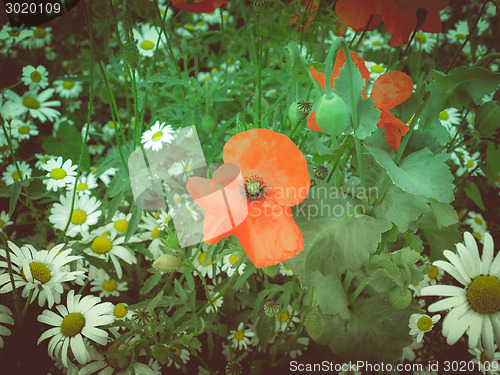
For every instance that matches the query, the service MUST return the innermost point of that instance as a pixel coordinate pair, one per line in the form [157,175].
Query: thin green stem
[337,159]
[359,289]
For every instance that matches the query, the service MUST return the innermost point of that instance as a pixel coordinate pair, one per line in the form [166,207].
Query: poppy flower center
[40,272]
[72,324]
[147,45]
[31,103]
[78,217]
[81,186]
[121,225]
[255,188]
[239,335]
[68,85]
[120,311]
[424,323]
[39,33]
[109,285]
[24,129]
[443,115]
[483,294]
[433,272]
[101,245]
[57,173]
[36,77]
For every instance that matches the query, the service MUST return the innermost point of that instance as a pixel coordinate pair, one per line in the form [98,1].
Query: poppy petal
[391,88]
[394,128]
[273,157]
[354,13]
[269,235]
[311,122]
[199,6]
[320,77]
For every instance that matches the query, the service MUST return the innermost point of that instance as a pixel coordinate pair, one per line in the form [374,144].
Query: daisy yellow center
[189,168]
[478,221]
[147,45]
[461,36]
[111,125]
[72,324]
[2,223]
[478,235]
[114,359]
[282,317]
[167,219]
[68,85]
[78,217]
[24,129]
[120,311]
[377,43]
[190,27]
[202,257]
[443,115]
[45,159]
[81,186]
[57,173]
[424,323]
[157,136]
[121,225]
[31,103]
[483,294]
[40,272]
[177,351]
[109,285]
[377,69]
[433,272]
[39,33]
[36,76]
[420,37]
[101,245]
[16,175]
[13,33]
[155,233]
[178,200]
[233,259]
[469,164]
[239,335]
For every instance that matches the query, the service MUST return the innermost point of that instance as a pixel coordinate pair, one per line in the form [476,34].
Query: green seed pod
[295,114]
[332,115]
[167,263]
[208,123]
[400,301]
[131,54]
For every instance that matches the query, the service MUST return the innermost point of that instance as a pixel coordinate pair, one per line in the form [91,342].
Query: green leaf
[134,221]
[414,242]
[400,207]
[180,291]
[299,68]
[368,117]
[420,173]
[492,166]
[343,88]
[440,239]
[14,196]
[155,301]
[466,85]
[487,120]
[474,194]
[151,282]
[317,144]
[330,293]
[69,147]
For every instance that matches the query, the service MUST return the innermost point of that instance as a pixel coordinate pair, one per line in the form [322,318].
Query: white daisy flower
[40,37]
[109,248]
[4,220]
[435,274]
[481,50]
[35,77]
[42,159]
[459,33]
[121,312]
[285,271]
[301,343]
[214,18]
[5,318]
[185,32]
[23,130]
[85,213]
[157,135]
[475,308]
[79,318]
[12,35]
[478,225]
[153,363]
[105,176]
[409,351]
[73,106]
[206,267]
[420,324]
[96,149]
[11,174]
[68,89]
[286,319]
[151,231]
[466,162]
[35,104]
[119,223]
[38,272]
[215,304]
[374,41]
[487,366]
[450,118]
[229,263]
[106,286]
[240,338]
[375,70]
[425,41]
[109,130]
[84,185]
[59,174]
[182,353]
[164,219]
[147,39]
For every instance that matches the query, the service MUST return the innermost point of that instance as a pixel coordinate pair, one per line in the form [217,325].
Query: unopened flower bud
[167,263]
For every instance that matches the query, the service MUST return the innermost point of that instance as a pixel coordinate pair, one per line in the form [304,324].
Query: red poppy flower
[399,16]
[389,90]
[255,209]
[199,6]
[296,19]
[339,63]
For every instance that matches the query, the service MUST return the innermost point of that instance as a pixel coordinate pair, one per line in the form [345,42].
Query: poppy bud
[208,123]
[400,300]
[332,114]
[167,263]
[314,323]
[131,54]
